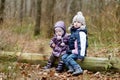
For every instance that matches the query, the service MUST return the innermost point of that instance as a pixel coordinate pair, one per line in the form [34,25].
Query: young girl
[77,45]
[59,44]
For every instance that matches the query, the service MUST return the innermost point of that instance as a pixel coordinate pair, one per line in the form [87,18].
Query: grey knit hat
[79,17]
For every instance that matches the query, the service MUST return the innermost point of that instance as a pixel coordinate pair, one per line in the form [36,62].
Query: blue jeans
[70,60]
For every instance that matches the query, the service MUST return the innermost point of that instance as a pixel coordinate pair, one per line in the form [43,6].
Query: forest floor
[27,71]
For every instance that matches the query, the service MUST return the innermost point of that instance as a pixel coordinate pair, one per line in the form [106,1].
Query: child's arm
[82,45]
[64,43]
[52,43]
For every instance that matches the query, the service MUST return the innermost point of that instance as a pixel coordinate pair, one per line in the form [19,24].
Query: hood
[60,24]
[82,28]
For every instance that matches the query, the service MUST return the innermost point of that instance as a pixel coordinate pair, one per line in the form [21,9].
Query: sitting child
[77,45]
[59,44]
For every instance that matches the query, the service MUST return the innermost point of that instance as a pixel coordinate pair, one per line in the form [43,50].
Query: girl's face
[59,31]
[77,24]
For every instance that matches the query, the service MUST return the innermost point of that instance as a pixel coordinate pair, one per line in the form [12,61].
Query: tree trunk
[74,8]
[25,8]
[38,18]
[118,11]
[50,18]
[21,12]
[2,7]
[32,4]
[15,8]
[100,5]
[89,63]
[80,5]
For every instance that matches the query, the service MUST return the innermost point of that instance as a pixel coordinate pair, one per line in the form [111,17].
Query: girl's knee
[68,59]
[64,57]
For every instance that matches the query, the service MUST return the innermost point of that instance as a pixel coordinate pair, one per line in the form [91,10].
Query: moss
[9,58]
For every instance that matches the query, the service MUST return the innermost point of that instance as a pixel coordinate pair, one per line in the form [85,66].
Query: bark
[74,8]
[50,18]
[2,7]
[25,8]
[32,8]
[15,8]
[21,12]
[90,63]
[38,18]
[118,11]
[80,5]
[115,62]
[100,5]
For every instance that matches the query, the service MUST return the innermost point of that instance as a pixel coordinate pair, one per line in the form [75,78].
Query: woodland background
[27,26]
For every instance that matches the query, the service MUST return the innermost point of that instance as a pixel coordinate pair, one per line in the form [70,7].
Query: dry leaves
[35,72]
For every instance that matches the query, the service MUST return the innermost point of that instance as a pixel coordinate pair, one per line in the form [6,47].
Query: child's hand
[80,60]
[53,45]
[59,37]
[62,44]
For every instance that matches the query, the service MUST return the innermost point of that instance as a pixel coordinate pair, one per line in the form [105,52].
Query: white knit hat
[79,17]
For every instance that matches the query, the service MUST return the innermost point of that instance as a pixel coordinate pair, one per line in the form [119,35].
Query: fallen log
[115,62]
[89,63]
[96,64]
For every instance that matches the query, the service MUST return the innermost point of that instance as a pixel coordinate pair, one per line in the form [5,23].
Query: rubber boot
[60,66]
[71,70]
[49,65]
[78,70]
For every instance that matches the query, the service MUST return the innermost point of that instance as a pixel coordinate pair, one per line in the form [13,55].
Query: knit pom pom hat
[79,17]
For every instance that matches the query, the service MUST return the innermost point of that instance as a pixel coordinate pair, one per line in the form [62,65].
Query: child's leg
[60,66]
[50,62]
[71,60]
[64,58]
[71,69]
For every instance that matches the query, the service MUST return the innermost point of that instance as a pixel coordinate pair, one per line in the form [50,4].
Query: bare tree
[80,2]
[15,8]
[21,12]
[32,8]
[118,11]
[50,15]
[2,7]
[38,18]
[100,5]
[25,7]
[75,7]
